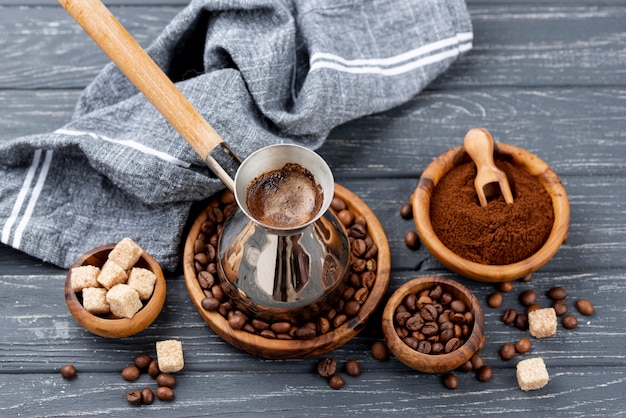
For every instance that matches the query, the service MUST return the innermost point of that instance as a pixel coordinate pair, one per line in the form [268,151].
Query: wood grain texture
[547,76]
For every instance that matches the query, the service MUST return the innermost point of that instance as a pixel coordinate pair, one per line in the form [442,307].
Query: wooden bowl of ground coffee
[433,324]
[500,242]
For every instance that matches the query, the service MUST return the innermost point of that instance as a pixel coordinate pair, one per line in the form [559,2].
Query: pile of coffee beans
[327,368]
[362,276]
[143,363]
[433,321]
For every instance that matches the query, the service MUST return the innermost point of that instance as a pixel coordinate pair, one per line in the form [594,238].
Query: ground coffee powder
[499,233]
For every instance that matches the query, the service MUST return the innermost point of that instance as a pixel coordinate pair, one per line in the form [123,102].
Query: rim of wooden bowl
[287,349]
[122,327]
[433,363]
[485,272]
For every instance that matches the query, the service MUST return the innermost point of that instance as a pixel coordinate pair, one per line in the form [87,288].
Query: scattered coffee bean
[380,351]
[467,366]
[406,211]
[131,373]
[147,396]
[336,381]
[532,307]
[526,279]
[451,381]
[326,367]
[166,379]
[494,300]
[484,374]
[560,307]
[528,297]
[353,368]
[134,397]
[412,240]
[68,371]
[142,361]
[477,361]
[569,322]
[523,345]
[585,307]
[521,321]
[164,393]
[507,351]
[508,317]
[557,293]
[505,287]
[153,369]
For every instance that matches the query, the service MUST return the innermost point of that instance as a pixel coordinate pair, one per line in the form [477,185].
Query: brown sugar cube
[84,276]
[94,300]
[532,374]
[124,301]
[112,274]
[126,253]
[542,322]
[142,280]
[170,356]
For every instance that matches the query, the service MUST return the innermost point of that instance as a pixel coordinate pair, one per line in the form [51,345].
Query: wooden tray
[287,349]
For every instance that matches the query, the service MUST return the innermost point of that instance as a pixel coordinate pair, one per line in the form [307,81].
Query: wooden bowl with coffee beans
[286,339]
[500,241]
[130,299]
[433,324]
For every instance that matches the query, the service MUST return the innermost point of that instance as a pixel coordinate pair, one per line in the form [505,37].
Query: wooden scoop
[490,180]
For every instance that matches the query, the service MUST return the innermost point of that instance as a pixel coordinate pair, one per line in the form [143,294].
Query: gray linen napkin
[260,71]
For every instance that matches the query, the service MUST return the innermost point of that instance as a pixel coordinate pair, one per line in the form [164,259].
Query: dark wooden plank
[577,131]
[517,44]
[597,391]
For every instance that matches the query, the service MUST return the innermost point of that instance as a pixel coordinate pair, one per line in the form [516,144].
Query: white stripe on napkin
[131,144]
[30,175]
[397,64]
[41,180]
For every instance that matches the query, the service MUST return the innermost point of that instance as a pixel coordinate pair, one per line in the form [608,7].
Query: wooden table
[548,76]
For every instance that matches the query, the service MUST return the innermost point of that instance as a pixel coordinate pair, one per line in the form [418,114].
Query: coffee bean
[351,308]
[153,369]
[505,287]
[477,361]
[147,396]
[569,322]
[430,329]
[527,279]
[210,303]
[164,393]
[528,297]
[521,321]
[450,381]
[507,351]
[532,307]
[131,373]
[523,345]
[166,379]
[424,347]
[508,317]
[467,366]
[453,344]
[585,307]
[353,368]
[406,211]
[134,397]
[142,361]
[429,313]
[458,306]
[338,204]
[494,300]
[411,240]
[557,293]
[437,348]
[346,217]
[560,307]
[484,374]
[237,320]
[326,367]
[380,351]
[68,371]
[306,333]
[336,381]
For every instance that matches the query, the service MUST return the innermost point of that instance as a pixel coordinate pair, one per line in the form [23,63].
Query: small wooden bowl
[288,349]
[485,272]
[434,363]
[123,327]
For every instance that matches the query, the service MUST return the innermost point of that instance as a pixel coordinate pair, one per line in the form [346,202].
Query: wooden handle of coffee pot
[107,32]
